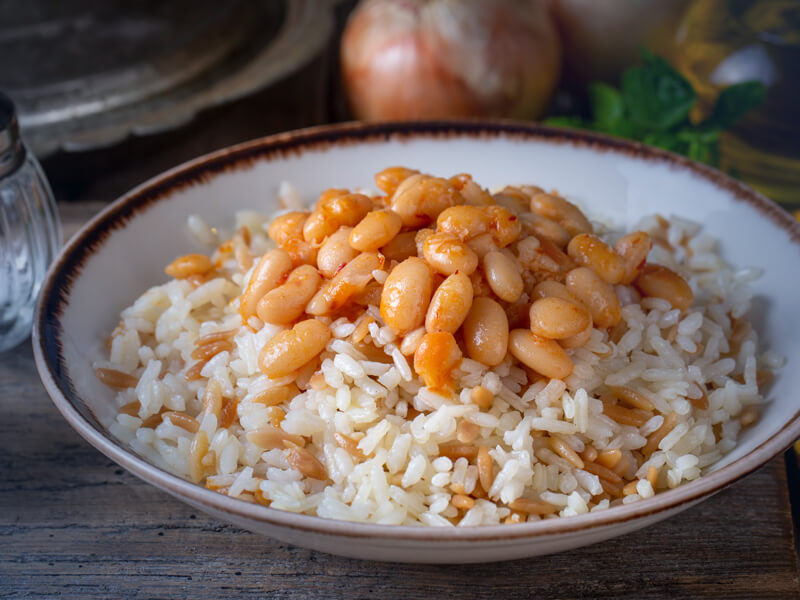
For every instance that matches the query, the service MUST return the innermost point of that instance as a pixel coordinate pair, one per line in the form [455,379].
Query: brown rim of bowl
[55,292]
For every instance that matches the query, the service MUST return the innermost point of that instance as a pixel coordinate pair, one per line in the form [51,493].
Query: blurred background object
[88,74]
[30,231]
[724,42]
[653,105]
[602,37]
[422,59]
[128,89]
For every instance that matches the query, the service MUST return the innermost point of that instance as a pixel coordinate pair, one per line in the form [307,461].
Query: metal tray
[87,74]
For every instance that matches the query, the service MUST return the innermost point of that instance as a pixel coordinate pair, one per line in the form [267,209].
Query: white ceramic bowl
[122,251]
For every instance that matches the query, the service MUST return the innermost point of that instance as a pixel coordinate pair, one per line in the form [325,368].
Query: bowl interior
[125,250]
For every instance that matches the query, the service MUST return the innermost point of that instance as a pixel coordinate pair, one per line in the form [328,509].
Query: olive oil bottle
[722,42]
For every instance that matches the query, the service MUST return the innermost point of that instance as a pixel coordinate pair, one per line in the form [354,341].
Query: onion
[416,59]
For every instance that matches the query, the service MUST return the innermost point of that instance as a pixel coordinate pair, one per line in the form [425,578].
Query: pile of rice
[383,437]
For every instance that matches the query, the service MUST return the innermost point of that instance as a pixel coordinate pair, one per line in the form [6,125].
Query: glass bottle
[30,232]
[722,42]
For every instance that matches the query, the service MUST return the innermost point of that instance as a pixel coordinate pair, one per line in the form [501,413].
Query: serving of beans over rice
[439,354]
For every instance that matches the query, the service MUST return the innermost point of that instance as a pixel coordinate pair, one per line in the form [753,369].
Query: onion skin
[418,59]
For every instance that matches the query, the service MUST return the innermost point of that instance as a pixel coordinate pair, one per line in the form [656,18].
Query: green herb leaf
[696,134]
[733,102]
[608,109]
[622,128]
[701,145]
[656,96]
[567,121]
[653,107]
[665,141]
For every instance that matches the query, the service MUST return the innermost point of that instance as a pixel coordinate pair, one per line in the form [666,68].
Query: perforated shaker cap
[12,152]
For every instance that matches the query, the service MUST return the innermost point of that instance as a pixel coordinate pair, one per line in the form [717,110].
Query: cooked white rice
[398,474]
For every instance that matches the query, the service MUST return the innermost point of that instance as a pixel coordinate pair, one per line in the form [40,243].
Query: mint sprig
[653,105]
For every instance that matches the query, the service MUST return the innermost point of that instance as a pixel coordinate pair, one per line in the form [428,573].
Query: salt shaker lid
[12,152]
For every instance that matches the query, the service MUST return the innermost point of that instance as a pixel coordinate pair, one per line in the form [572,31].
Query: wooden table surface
[75,525]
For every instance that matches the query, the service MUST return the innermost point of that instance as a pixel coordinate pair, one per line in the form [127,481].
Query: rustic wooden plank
[73,524]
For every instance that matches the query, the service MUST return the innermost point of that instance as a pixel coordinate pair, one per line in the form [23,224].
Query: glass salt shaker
[30,232]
